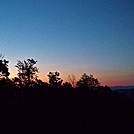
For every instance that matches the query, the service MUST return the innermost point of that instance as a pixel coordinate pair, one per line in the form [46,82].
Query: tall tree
[27,71]
[4,67]
[87,81]
[54,79]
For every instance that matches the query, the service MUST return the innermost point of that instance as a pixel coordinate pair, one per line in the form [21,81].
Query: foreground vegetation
[29,105]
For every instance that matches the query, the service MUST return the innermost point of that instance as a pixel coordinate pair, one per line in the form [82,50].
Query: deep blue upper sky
[71,36]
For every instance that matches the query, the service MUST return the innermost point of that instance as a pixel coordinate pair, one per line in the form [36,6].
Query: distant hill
[122,87]
[128,90]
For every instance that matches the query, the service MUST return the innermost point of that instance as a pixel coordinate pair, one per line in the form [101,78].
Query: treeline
[28,77]
[29,105]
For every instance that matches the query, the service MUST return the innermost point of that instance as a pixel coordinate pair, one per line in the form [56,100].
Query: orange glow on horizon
[104,80]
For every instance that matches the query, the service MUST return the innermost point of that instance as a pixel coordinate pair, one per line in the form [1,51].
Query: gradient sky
[71,36]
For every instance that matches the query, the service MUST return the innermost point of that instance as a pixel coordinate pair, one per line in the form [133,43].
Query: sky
[71,36]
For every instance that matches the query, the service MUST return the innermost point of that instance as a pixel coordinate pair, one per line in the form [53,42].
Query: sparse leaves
[72,80]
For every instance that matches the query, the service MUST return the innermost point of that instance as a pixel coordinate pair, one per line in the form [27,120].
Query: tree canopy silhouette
[4,67]
[54,79]
[67,85]
[87,81]
[27,71]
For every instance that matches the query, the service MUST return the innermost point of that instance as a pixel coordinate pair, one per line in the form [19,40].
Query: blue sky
[71,36]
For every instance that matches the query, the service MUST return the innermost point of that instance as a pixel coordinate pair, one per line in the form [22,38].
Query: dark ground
[66,111]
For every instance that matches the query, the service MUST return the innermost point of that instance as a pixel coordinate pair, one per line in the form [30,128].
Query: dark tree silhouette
[54,79]
[67,85]
[4,67]
[17,82]
[87,81]
[40,84]
[27,71]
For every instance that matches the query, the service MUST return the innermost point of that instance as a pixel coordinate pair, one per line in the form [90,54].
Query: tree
[17,82]
[72,79]
[40,84]
[4,67]
[87,81]
[54,79]
[67,85]
[27,71]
